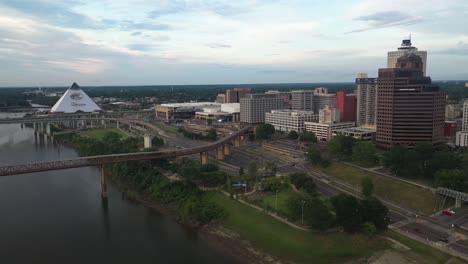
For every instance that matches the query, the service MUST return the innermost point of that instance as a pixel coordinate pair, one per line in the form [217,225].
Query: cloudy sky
[122,42]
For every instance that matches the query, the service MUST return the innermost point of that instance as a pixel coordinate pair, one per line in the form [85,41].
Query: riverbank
[225,241]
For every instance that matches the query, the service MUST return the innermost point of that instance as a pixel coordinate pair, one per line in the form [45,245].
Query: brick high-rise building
[410,109]
[234,95]
[366,94]
[346,104]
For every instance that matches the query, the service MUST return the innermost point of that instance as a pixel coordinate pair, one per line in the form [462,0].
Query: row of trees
[211,135]
[305,135]
[368,215]
[348,148]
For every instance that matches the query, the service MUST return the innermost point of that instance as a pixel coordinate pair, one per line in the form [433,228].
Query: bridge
[459,196]
[222,147]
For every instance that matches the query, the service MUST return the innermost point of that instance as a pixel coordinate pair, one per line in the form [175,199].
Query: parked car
[448,212]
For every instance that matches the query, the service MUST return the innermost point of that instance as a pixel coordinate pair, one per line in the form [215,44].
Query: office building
[254,106]
[221,98]
[346,104]
[285,96]
[366,94]
[406,48]
[329,115]
[410,109]
[465,116]
[234,95]
[453,111]
[289,120]
[321,90]
[322,100]
[324,131]
[302,100]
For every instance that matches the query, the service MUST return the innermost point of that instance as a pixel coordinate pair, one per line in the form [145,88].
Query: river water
[58,216]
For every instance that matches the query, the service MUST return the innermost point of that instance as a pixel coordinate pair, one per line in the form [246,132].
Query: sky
[162,42]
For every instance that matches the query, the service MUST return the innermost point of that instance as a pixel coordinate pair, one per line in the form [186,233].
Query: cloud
[62,15]
[386,19]
[218,45]
[141,47]
[222,8]
[136,33]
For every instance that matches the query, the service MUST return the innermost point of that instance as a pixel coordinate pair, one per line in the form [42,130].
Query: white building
[366,100]
[288,120]
[465,116]
[461,139]
[324,131]
[329,115]
[75,100]
[406,48]
[254,106]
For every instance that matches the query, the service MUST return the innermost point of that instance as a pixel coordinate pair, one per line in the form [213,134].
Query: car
[448,212]
[443,239]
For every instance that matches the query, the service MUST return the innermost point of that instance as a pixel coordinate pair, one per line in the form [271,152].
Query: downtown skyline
[51,43]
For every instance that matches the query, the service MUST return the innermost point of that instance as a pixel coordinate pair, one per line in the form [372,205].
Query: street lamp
[276,201]
[303,203]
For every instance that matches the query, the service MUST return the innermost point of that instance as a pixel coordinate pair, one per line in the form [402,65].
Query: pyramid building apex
[75,100]
[75,86]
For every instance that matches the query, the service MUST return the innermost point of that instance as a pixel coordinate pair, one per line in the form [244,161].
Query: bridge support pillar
[147,141]
[41,128]
[457,202]
[118,124]
[35,127]
[227,149]
[237,142]
[103,123]
[103,184]
[204,158]
[48,130]
[220,153]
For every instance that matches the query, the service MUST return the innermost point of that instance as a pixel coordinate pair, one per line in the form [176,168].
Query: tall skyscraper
[346,104]
[254,106]
[366,94]
[410,109]
[234,95]
[461,138]
[302,100]
[322,100]
[406,48]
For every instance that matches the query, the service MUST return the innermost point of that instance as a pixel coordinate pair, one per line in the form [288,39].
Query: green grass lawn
[401,193]
[99,133]
[269,201]
[289,243]
[421,253]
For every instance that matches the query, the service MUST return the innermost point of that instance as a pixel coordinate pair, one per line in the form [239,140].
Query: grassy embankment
[286,242]
[401,193]
[99,133]
[421,253]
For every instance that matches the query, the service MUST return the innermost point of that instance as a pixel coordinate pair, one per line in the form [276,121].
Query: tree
[313,155]
[293,135]
[272,184]
[294,205]
[157,141]
[368,229]
[212,135]
[252,171]
[367,186]
[363,153]
[271,168]
[375,212]
[394,159]
[341,146]
[316,214]
[443,160]
[348,212]
[241,171]
[209,122]
[452,179]
[304,182]
[307,136]
[264,131]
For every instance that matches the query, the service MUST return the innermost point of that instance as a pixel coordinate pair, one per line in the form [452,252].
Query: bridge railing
[452,193]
